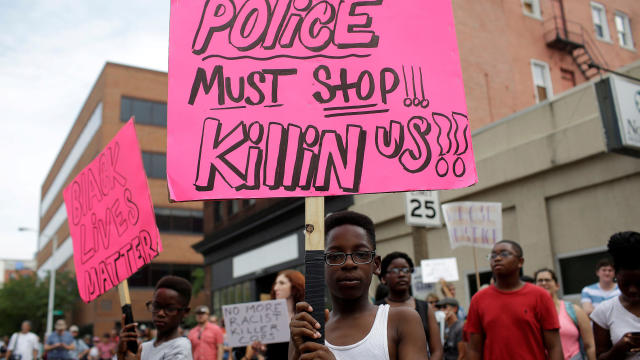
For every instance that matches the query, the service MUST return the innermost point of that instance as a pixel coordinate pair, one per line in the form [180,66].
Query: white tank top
[373,347]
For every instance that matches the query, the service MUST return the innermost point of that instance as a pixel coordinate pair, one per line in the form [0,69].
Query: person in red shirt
[512,319]
[206,338]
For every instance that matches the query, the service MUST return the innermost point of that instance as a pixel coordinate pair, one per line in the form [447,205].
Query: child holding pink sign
[169,306]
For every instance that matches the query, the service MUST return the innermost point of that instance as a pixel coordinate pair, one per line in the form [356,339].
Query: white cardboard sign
[473,223]
[264,321]
[435,269]
[420,289]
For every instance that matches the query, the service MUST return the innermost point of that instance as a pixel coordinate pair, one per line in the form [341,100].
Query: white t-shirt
[26,343]
[611,315]
[176,349]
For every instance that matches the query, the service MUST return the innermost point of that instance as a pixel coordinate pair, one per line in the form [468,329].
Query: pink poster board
[111,217]
[271,98]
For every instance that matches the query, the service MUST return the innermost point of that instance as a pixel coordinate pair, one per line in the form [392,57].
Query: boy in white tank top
[356,329]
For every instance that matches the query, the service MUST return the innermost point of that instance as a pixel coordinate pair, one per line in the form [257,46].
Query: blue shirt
[594,294]
[59,353]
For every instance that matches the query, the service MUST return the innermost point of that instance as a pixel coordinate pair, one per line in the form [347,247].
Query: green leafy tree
[27,297]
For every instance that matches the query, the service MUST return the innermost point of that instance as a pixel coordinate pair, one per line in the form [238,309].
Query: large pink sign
[111,217]
[272,98]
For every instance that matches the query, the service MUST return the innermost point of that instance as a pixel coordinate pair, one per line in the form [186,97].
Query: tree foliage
[27,297]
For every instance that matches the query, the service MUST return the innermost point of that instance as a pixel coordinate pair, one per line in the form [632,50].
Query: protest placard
[435,269]
[419,289]
[111,217]
[311,98]
[471,223]
[264,321]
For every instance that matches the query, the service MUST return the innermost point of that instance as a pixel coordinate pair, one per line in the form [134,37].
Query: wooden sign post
[314,259]
[125,303]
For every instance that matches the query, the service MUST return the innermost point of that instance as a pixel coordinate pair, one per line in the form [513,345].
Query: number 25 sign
[422,209]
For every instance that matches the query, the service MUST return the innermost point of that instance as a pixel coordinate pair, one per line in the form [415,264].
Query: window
[146,112]
[579,271]
[155,165]
[217,211]
[623,28]
[600,21]
[568,76]
[531,8]
[541,80]
[248,202]
[179,220]
[233,206]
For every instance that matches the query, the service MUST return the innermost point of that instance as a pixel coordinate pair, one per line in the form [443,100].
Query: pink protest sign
[271,98]
[111,217]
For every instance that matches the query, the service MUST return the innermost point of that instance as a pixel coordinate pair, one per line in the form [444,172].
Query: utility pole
[52,287]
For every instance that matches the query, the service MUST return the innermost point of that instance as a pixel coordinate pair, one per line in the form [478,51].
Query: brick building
[120,92]
[529,68]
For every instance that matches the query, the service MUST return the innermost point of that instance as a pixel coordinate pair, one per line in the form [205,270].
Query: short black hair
[389,258]
[624,247]
[514,244]
[351,218]
[604,262]
[180,285]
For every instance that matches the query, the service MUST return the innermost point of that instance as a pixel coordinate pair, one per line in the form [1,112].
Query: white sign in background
[419,289]
[473,223]
[435,269]
[627,97]
[422,208]
[264,321]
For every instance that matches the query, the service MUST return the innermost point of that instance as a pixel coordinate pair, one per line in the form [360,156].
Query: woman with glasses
[575,328]
[289,285]
[396,270]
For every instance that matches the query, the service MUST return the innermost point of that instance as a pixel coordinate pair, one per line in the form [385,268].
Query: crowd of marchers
[513,317]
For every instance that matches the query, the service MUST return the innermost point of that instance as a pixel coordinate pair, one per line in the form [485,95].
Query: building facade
[119,93]
[530,69]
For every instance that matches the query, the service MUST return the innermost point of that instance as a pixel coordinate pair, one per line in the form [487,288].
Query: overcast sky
[51,53]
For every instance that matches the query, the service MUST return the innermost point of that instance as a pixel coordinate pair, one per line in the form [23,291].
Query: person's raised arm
[552,343]
[411,342]
[586,333]
[476,346]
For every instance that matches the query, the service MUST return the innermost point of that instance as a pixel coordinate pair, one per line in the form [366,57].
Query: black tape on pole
[314,287]
[128,319]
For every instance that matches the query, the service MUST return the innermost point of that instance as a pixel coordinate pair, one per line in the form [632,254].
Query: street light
[52,280]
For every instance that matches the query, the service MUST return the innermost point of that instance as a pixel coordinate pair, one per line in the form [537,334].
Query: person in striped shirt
[604,289]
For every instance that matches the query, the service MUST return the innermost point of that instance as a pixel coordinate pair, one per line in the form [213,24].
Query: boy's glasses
[397,271]
[339,258]
[503,254]
[169,310]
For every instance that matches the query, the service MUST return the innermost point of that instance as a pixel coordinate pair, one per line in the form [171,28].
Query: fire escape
[573,39]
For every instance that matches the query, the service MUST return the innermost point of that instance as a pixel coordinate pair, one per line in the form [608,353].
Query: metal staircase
[573,39]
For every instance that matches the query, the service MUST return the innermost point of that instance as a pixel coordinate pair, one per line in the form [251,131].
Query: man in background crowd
[81,349]
[512,319]
[453,344]
[23,344]
[206,337]
[59,342]
[604,289]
